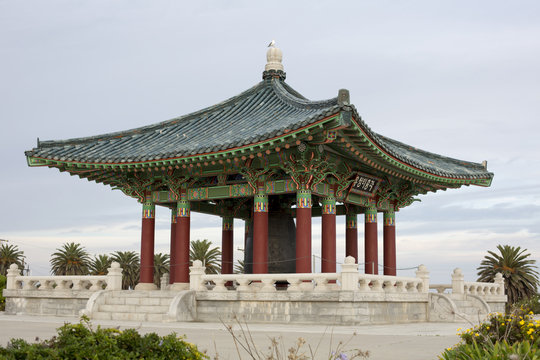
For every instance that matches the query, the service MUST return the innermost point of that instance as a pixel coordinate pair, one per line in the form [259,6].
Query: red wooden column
[146,280]
[389,233]
[181,267]
[370,250]
[303,231]
[351,236]
[328,246]
[260,234]
[227,245]
[172,259]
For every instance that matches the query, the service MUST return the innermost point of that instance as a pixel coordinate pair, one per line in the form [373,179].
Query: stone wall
[43,302]
[340,307]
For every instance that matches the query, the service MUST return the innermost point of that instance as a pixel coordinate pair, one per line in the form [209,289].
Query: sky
[458,78]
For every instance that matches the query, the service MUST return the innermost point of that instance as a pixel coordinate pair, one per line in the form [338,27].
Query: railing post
[195,275]
[423,273]
[499,280]
[458,282]
[349,274]
[12,274]
[114,277]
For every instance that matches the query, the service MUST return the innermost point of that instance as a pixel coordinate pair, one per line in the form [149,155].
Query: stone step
[141,300]
[143,293]
[101,316]
[140,309]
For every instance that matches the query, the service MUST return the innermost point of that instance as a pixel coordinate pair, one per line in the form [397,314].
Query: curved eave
[265,145]
[383,155]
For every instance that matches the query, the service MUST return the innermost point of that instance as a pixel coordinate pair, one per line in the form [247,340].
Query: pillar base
[178,286]
[146,286]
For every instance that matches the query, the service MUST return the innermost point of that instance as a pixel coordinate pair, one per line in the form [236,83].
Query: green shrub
[502,334]
[532,304]
[2,287]
[498,351]
[80,341]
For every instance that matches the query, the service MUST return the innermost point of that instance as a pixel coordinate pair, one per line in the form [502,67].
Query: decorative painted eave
[405,161]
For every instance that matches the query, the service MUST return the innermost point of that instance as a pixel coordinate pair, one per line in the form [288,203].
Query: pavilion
[273,158]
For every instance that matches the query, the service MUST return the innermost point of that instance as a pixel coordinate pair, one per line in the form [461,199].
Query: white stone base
[146,286]
[178,287]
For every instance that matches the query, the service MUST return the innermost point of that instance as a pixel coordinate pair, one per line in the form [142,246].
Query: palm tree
[200,250]
[239,267]
[520,277]
[70,259]
[10,254]
[161,266]
[129,262]
[100,264]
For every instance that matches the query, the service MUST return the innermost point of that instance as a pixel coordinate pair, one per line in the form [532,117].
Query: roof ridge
[286,93]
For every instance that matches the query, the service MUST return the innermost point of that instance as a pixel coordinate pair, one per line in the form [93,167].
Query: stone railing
[111,281]
[459,286]
[347,280]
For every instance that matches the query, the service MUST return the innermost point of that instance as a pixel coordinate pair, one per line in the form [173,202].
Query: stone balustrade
[111,281]
[348,280]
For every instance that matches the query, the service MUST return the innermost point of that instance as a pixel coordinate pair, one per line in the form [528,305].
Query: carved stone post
[195,276]
[423,273]
[349,274]
[114,277]
[458,282]
[12,274]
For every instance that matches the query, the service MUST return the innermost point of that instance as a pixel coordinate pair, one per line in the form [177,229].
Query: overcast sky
[458,78]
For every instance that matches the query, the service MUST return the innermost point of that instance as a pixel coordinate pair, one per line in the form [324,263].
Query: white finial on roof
[273,58]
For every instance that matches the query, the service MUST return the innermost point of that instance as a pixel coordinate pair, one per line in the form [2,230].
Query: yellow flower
[530,331]
[448,349]
[502,324]
[477,334]
[487,327]
[531,313]
[521,322]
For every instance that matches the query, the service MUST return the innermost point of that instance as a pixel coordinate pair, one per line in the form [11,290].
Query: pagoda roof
[267,112]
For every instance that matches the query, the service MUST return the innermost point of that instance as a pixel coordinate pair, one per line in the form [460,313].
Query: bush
[532,303]
[80,341]
[3,280]
[502,334]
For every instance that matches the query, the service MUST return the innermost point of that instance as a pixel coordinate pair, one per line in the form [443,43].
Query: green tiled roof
[266,111]
[262,112]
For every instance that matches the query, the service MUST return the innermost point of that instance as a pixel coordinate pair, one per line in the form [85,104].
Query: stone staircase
[133,305]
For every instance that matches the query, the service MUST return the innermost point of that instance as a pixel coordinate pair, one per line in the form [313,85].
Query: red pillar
[146,280]
[351,236]
[370,250]
[260,234]
[172,259]
[227,245]
[303,231]
[389,233]
[181,267]
[328,246]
